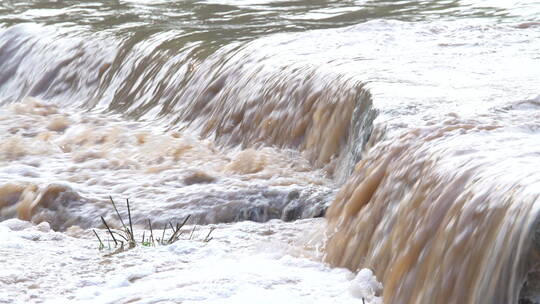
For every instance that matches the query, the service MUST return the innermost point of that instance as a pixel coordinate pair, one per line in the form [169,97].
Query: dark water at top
[217,23]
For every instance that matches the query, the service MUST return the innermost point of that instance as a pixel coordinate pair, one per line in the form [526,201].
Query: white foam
[365,286]
[242,264]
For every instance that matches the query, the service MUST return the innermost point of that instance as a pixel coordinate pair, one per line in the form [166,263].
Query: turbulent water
[411,125]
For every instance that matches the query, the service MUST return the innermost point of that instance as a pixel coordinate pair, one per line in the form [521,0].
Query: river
[412,127]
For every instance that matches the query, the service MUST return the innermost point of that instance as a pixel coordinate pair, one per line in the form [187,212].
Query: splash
[60,167]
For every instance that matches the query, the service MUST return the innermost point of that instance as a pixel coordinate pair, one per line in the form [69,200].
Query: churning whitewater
[349,152]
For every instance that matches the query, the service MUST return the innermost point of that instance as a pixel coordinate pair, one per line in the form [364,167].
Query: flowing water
[413,125]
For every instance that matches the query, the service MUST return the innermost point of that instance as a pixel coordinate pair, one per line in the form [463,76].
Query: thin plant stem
[109,229]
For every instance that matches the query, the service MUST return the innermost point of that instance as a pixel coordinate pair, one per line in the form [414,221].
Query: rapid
[412,127]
